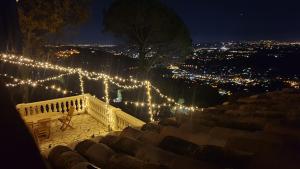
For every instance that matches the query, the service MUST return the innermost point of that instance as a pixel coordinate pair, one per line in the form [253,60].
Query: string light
[158,106]
[149,99]
[81,83]
[128,87]
[170,100]
[22,61]
[31,82]
[106,90]
[35,84]
[106,97]
[143,104]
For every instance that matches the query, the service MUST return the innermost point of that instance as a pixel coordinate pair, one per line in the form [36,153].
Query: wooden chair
[30,126]
[42,130]
[66,120]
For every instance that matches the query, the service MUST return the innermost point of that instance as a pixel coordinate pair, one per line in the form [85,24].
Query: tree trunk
[23,71]
[144,67]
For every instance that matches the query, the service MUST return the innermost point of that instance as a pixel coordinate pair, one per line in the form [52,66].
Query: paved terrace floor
[85,126]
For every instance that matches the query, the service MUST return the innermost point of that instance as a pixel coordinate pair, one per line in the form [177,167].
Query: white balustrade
[108,115]
[98,109]
[55,105]
[123,120]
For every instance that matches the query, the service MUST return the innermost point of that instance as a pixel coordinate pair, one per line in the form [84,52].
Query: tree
[39,19]
[149,27]
[9,27]
[42,19]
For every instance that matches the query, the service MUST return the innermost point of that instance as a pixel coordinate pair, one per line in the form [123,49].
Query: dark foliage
[150,28]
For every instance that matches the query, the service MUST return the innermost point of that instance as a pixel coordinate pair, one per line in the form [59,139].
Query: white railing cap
[51,100]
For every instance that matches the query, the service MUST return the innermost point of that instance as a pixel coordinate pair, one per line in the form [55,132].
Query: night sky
[213,20]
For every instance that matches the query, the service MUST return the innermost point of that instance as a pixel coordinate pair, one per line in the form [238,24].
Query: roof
[254,132]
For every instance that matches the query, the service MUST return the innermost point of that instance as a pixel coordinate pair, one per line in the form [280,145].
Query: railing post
[106,90]
[108,110]
[81,82]
[114,124]
[85,102]
[148,87]
[21,109]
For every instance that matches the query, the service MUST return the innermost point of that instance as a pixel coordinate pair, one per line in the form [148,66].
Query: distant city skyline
[211,21]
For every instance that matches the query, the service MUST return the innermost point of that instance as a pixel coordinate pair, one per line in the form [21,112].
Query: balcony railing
[55,105]
[110,116]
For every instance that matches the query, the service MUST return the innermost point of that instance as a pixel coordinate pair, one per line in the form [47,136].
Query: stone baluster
[75,105]
[59,107]
[55,107]
[49,108]
[41,108]
[80,104]
[67,105]
[35,110]
[31,110]
[62,106]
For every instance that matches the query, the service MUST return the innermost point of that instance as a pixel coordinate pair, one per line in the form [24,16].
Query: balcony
[92,118]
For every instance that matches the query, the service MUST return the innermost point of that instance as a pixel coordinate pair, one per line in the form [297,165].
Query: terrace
[92,117]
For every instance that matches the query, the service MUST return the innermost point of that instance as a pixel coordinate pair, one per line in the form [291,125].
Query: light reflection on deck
[85,126]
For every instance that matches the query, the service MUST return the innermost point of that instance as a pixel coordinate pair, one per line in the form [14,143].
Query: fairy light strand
[34,84]
[81,83]
[106,90]
[143,104]
[149,99]
[22,61]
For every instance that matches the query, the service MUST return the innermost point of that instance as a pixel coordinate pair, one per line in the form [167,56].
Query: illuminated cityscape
[230,67]
[239,67]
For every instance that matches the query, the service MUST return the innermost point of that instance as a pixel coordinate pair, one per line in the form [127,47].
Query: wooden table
[35,118]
